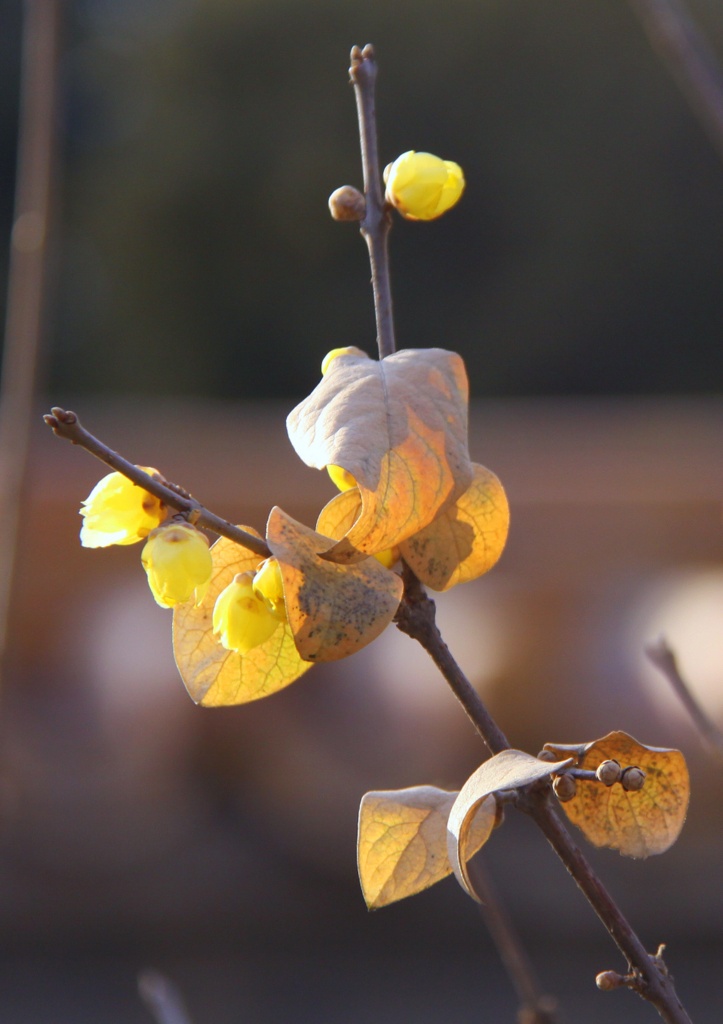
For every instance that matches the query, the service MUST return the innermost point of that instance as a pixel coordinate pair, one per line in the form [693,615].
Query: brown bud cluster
[565,787]
[609,772]
[607,981]
[632,779]
[347,203]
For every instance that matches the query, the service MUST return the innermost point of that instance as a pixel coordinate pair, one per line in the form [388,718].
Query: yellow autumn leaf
[399,426]
[214,676]
[509,769]
[402,841]
[465,539]
[333,610]
[636,823]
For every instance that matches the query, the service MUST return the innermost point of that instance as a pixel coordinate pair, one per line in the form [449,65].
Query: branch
[377,218]
[679,42]
[663,657]
[32,220]
[67,425]
[162,998]
[648,973]
[535,1007]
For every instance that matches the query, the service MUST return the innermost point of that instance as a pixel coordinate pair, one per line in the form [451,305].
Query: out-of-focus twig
[664,659]
[27,275]
[162,998]
[682,46]
[535,1006]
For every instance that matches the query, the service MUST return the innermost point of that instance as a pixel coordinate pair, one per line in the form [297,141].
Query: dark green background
[200,141]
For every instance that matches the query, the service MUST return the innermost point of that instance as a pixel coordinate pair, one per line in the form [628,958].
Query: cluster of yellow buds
[178,562]
[251,608]
[176,556]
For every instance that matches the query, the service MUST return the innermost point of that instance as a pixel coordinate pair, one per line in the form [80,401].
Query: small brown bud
[565,787]
[633,779]
[347,203]
[546,755]
[607,981]
[609,772]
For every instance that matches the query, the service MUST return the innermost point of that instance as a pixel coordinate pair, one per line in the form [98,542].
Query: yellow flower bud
[178,562]
[269,585]
[349,350]
[241,619]
[117,511]
[341,478]
[422,186]
[388,558]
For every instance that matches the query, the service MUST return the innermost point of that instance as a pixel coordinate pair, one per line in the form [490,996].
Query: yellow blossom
[241,619]
[178,562]
[348,350]
[117,511]
[341,478]
[269,585]
[422,186]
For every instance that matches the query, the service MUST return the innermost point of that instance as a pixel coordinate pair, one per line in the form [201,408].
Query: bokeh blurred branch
[664,659]
[27,276]
[681,45]
[162,998]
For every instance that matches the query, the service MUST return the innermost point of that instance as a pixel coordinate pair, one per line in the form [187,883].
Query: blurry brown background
[198,283]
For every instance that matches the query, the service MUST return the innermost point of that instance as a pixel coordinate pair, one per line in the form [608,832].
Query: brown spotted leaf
[214,676]
[402,841]
[509,769]
[399,426]
[465,538]
[334,610]
[639,823]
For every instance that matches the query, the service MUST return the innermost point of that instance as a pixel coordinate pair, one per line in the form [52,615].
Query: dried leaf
[465,539]
[402,841]
[334,610]
[640,823]
[399,426]
[213,676]
[509,769]
[339,514]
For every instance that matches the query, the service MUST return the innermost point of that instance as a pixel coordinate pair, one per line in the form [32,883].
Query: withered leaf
[334,610]
[465,538]
[639,823]
[402,841]
[213,676]
[509,769]
[399,426]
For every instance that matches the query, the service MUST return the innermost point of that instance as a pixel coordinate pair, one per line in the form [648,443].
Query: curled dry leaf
[509,769]
[462,542]
[213,676]
[402,841]
[637,823]
[334,610]
[399,426]
[466,537]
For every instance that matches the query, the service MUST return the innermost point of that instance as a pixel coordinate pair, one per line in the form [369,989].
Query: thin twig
[67,425]
[27,277]
[680,43]
[664,659]
[162,998]
[535,1006]
[377,219]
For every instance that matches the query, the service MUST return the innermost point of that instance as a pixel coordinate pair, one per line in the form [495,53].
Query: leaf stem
[377,219]
[67,425]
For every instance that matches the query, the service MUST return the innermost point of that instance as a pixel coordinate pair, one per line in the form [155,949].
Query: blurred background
[196,282]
